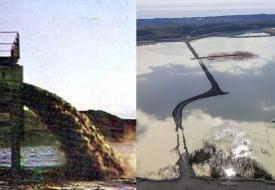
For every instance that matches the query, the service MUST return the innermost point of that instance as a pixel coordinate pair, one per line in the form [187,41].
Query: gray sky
[150,3]
[193,8]
[83,51]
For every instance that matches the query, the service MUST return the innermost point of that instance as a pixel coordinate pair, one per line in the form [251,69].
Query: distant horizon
[189,12]
[205,16]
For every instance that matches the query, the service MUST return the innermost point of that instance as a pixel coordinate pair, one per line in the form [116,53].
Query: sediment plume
[88,155]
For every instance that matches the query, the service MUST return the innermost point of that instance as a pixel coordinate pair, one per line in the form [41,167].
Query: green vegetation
[199,156]
[243,165]
[168,28]
[203,154]
[77,135]
[261,172]
[35,133]
[31,138]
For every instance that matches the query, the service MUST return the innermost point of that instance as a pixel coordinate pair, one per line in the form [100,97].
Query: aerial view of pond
[239,124]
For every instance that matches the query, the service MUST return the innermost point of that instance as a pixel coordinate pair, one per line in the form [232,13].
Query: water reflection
[154,148]
[162,89]
[163,54]
[239,122]
[258,46]
[239,138]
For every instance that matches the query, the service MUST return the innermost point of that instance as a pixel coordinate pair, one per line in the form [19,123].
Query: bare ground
[72,185]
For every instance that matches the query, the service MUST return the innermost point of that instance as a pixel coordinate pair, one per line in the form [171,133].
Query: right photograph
[205,95]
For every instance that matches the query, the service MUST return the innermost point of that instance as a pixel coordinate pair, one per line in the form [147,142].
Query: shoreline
[188,180]
[215,34]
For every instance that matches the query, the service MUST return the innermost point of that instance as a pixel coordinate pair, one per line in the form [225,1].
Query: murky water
[41,156]
[239,122]
[127,150]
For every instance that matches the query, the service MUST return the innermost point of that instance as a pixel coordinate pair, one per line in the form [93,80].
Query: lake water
[44,156]
[127,150]
[239,122]
[40,156]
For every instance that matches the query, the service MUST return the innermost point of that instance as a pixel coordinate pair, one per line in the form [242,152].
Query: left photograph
[67,94]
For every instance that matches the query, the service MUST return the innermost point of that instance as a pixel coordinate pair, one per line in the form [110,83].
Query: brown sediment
[88,154]
[237,56]
[114,128]
[86,150]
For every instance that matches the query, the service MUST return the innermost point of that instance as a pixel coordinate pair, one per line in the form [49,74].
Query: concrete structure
[11,105]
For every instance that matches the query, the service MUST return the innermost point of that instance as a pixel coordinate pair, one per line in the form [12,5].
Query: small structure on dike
[11,104]
[88,154]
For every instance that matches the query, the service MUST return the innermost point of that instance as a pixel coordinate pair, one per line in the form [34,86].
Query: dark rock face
[87,152]
[111,126]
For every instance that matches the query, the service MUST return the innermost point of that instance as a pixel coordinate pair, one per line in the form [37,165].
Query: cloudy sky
[144,3]
[187,8]
[84,51]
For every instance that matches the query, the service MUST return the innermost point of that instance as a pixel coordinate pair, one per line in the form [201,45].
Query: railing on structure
[11,48]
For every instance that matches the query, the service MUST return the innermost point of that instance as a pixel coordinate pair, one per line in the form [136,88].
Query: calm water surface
[41,156]
[239,122]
